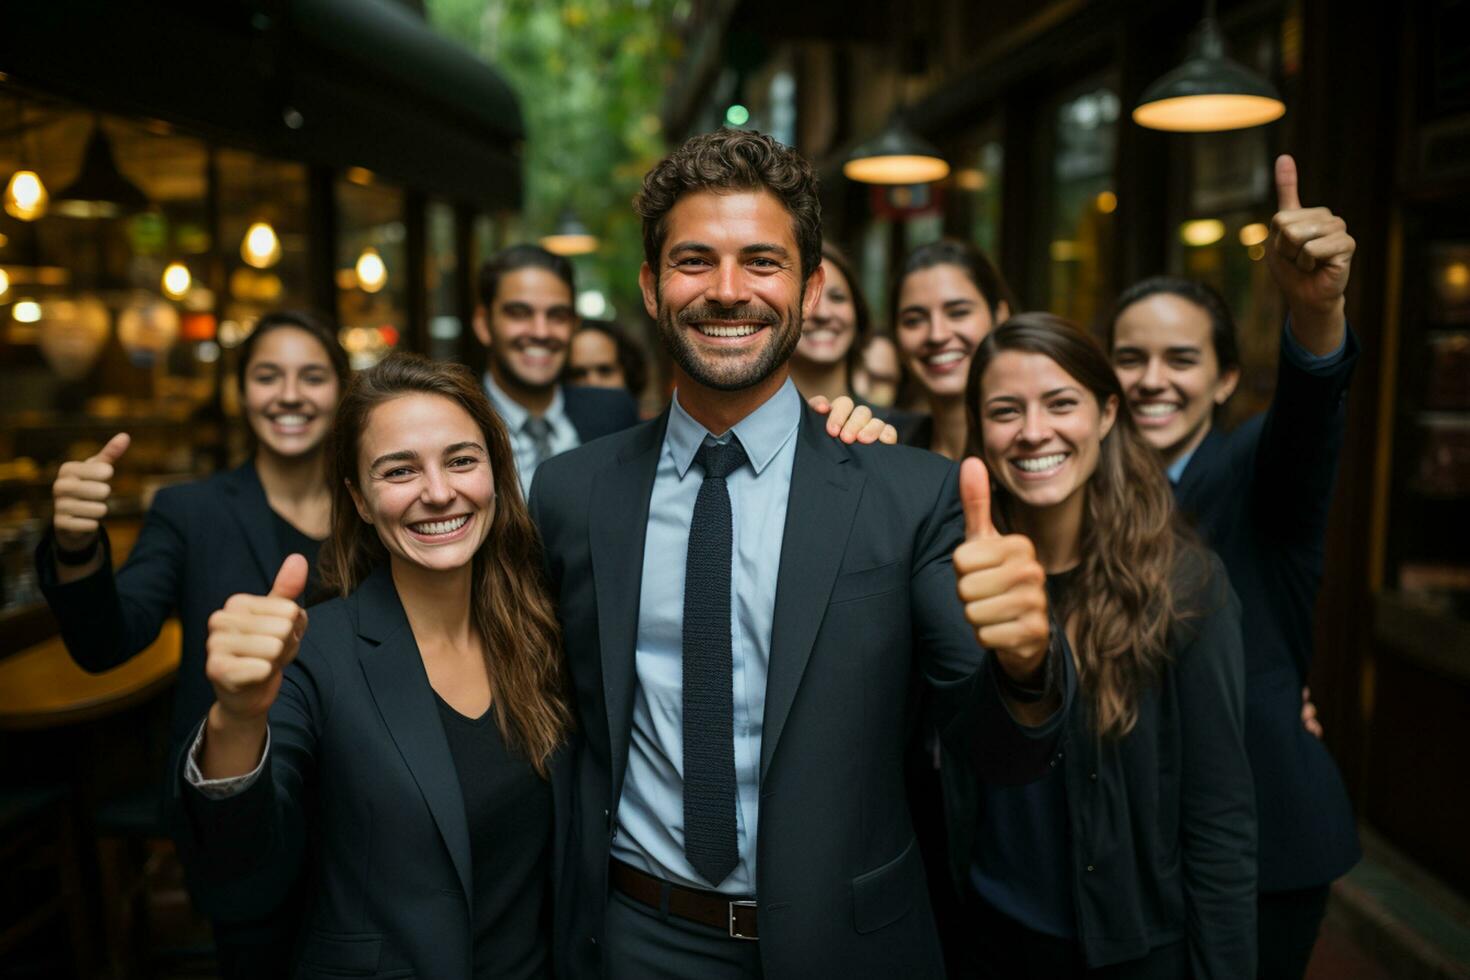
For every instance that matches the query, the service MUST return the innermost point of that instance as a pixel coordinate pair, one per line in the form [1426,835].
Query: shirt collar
[512,412]
[762,433]
[1175,470]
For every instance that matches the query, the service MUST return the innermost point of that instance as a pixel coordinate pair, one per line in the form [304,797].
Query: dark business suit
[1259,496]
[360,791]
[865,606]
[598,412]
[200,544]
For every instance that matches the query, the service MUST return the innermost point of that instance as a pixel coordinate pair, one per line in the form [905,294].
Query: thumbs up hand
[1001,583]
[251,640]
[1310,256]
[80,494]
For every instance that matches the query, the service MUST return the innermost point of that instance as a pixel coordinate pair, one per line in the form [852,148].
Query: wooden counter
[42,687]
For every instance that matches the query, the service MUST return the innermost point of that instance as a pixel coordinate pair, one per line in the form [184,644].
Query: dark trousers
[1000,948]
[641,944]
[1287,924]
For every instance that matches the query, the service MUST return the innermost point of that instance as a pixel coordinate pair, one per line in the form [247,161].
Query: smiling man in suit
[748,608]
[525,319]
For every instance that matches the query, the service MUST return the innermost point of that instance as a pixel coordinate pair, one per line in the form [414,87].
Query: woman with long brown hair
[1135,855]
[407,757]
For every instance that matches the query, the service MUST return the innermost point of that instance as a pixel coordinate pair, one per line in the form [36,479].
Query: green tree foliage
[590,75]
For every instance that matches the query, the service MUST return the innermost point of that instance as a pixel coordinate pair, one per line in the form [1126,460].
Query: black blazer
[597,412]
[865,607]
[200,544]
[1260,496]
[1161,821]
[360,792]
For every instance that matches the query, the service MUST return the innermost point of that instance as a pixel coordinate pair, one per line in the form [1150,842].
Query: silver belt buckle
[742,903]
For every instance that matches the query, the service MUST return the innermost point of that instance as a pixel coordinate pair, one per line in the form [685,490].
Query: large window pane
[441,282]
[372,269]
[1079,280]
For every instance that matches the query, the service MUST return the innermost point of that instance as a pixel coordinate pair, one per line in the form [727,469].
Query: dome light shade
[1208,93]
[100,190]
[895,156]
[570,238]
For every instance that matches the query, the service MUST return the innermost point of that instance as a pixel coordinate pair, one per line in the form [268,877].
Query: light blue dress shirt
[563,434]
[1292,350]
[650,816]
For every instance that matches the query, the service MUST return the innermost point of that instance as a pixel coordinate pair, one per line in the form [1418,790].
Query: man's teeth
[290,420]
[1156,409]
[741,330]
[948,357]
[1040,464]
[441,527]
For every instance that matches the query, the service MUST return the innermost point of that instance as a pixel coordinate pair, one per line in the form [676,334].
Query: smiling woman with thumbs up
[1135,856]
[401,752]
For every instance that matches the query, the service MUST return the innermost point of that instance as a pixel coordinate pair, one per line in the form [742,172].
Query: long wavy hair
[510,605]
[1122,603]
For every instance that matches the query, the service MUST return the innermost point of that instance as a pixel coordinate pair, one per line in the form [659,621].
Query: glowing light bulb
[176,280]
[26,311]
[4,282]
[1253,234]
[1201,232]
[1106,202]
[25,196]
[372,274]
[261,247]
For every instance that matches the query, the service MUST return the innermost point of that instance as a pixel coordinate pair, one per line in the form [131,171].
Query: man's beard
[729,372]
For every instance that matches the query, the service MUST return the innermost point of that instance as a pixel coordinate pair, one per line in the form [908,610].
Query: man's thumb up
[975,497]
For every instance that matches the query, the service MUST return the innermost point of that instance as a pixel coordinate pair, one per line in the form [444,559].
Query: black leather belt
[734,916]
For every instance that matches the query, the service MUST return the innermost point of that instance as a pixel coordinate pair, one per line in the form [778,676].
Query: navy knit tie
[709,736]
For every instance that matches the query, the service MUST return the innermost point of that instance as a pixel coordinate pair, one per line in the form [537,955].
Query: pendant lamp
[100,190]
[571,237]
[1208,93]
[895,156]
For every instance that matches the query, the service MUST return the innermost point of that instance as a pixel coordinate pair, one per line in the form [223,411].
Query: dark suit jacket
[200,544]
[1259,496]
[865,607]
[359,791]
[598,412]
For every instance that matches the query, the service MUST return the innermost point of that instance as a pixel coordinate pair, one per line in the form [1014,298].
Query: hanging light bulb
[176,280]
[372,274]
[4,282]
[571,236]
[895,156]
[1208,93]
[260,248]
[25,196]
[26,311]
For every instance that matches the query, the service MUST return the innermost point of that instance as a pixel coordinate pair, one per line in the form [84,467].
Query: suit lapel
[819,515]
[252,512]
[618,530]
[395,674]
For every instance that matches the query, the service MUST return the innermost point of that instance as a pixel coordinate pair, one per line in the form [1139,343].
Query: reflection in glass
[372,264]
[1079,255]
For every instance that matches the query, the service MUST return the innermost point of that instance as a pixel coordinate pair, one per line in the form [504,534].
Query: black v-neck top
[508,810]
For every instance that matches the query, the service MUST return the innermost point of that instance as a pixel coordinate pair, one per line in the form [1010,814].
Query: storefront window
[975,186]
[372,268]
[1079,277]
[441,283]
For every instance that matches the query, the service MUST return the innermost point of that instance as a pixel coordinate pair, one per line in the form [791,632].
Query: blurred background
[172,170]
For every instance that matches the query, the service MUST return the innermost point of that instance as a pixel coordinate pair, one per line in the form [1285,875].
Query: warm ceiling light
[25,196]
[1208,93]
[970,179]
[1201,232]
[100,189]
[360,176]
[1254,234]
[571,237]
[4,282]
[176,280]
[1107,202]
[1456,274]
[26,311]
[1256,252]
[372,274]
[895,156]
[260,247]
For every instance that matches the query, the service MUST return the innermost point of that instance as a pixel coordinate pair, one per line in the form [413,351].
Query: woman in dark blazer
[1135,856]
[1259,495]
[202,542]
[408,759]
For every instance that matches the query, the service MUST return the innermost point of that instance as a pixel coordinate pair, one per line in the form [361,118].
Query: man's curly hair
[732,160]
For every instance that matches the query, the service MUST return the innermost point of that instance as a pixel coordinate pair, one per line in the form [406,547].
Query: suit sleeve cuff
[221,789]
[1292,350]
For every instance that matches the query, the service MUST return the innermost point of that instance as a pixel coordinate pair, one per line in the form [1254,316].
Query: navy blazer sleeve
[108,618]
[1300,442]
[973,716]
[1217,819]
[244,852]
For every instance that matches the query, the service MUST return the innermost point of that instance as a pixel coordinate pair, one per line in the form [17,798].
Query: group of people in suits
[658,717]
